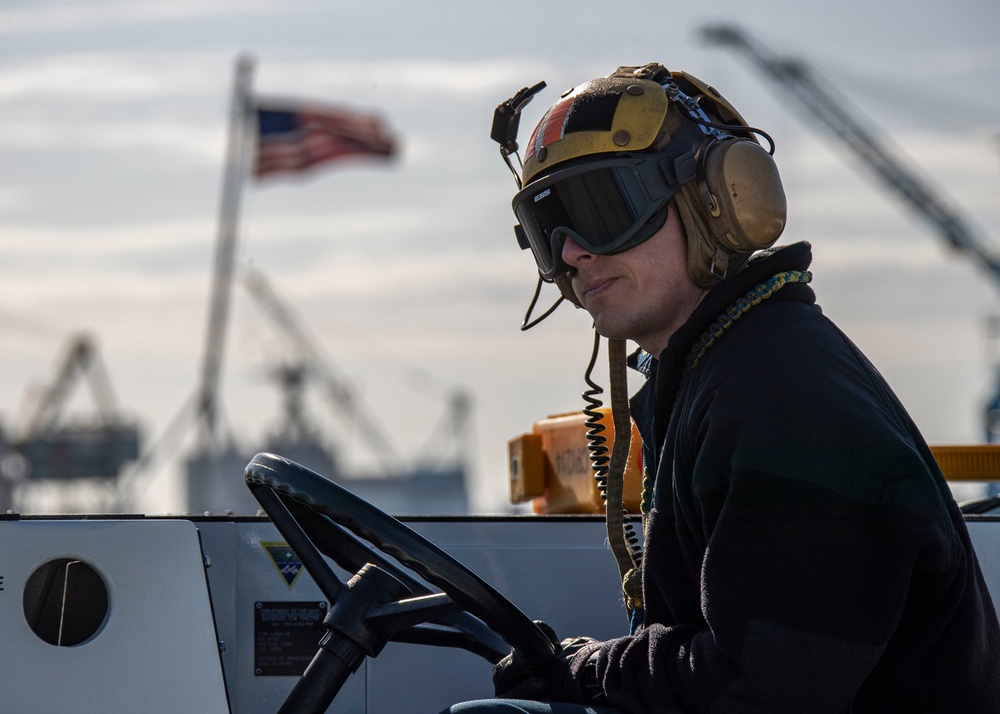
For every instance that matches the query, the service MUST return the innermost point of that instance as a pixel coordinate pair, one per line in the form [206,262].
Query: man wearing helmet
[802,551]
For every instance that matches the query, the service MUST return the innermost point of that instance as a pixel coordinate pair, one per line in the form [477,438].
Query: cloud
[36,241]
[90,16]
[109,76]
[131,75]
[417,79]
[12,197]
[190,143]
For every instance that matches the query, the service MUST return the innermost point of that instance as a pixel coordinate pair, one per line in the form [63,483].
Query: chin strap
[621,536]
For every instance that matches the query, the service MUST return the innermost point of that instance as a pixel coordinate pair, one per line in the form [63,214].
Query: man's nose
[572,253]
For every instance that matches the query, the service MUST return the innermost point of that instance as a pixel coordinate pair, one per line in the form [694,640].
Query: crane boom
[335,387]
[821,102]
[82,356]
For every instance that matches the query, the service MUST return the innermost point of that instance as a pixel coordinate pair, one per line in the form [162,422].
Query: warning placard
[286,636]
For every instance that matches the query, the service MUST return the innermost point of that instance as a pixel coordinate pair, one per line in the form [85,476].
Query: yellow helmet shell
[607,115]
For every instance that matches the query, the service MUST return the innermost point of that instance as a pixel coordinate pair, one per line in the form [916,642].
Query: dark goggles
[605,206]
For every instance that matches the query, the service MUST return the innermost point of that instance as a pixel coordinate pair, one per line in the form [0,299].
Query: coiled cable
[609,471]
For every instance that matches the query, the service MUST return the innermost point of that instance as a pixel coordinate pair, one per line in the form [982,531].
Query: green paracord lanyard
[741,307]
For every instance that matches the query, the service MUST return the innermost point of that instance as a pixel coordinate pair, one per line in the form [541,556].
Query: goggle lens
[604,207]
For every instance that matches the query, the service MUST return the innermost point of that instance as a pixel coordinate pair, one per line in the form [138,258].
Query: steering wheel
[381,602]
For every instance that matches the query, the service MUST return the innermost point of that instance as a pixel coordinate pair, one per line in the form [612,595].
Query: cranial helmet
[605,161]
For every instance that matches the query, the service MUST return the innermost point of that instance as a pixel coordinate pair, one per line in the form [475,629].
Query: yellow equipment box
[551,466]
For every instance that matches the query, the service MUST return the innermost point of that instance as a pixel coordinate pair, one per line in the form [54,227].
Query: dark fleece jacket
[803,552]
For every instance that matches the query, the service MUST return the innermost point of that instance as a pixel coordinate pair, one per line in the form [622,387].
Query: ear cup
[744,199]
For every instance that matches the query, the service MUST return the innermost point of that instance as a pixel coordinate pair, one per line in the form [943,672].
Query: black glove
[512,679]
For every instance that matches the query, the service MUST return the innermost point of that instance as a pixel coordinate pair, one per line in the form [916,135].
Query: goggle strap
[679,169]
[522,237]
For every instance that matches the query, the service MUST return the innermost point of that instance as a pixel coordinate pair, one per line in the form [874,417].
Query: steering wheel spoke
[393,617]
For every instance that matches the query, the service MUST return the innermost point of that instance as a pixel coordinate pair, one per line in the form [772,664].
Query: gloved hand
[513,680]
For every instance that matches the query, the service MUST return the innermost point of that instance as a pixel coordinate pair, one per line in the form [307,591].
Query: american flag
[295,137]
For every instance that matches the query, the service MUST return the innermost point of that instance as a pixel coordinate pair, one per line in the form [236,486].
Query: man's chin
[610,329]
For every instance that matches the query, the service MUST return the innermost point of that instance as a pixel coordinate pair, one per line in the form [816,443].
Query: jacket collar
[653,403]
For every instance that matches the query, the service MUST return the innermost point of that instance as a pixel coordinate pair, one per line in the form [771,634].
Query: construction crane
[822,103]
[315,364]
[98,448]
[434,481]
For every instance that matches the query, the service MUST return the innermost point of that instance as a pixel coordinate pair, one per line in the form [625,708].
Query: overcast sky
[112,138]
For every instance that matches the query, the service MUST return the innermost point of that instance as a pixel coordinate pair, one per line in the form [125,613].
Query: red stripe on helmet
[552,126]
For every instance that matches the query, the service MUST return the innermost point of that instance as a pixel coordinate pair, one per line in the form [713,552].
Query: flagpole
[225,250]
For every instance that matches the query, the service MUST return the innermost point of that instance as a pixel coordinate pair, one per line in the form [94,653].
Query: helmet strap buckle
[720,263]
